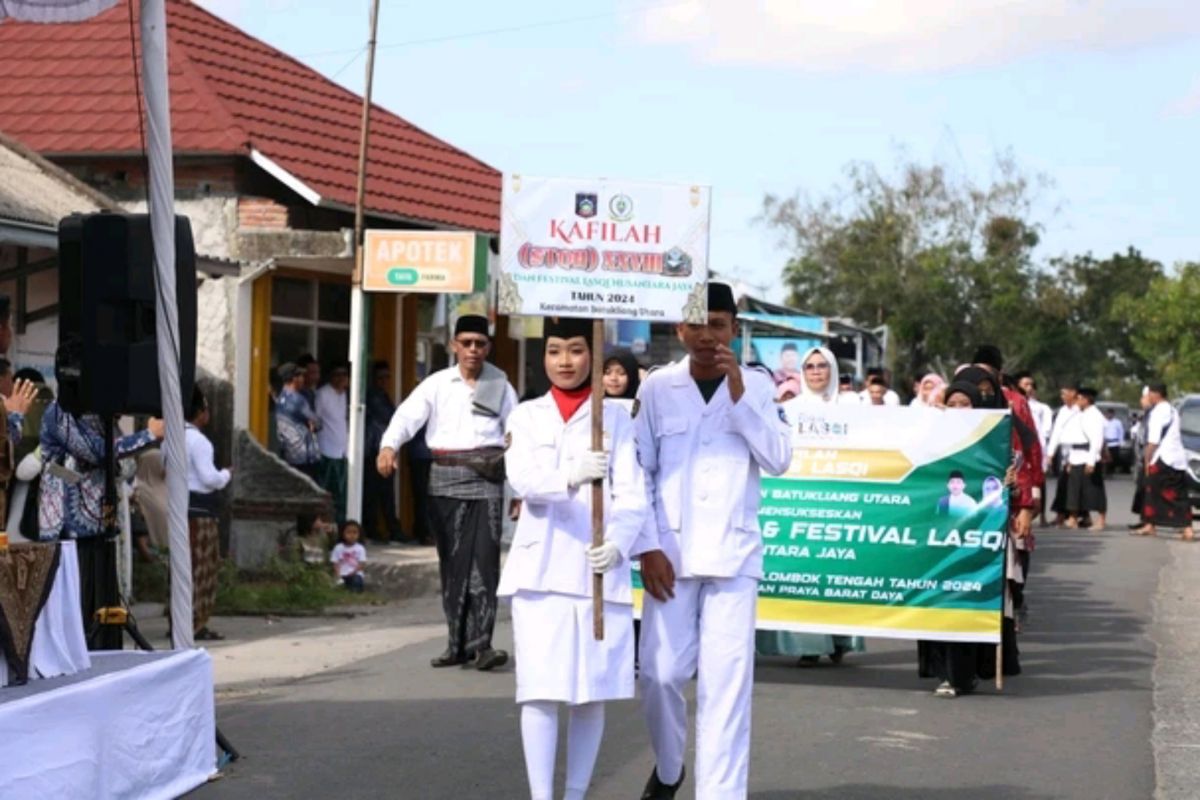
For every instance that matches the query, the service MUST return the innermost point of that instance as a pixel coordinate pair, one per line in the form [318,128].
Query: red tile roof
[69,90]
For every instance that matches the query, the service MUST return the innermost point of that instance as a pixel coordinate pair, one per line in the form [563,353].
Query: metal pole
[358,369]
[162,230]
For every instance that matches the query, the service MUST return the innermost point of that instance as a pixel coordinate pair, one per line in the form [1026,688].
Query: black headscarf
[632,370]
[976,376]
[965,388]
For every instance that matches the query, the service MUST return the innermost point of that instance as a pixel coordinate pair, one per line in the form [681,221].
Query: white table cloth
[135,725]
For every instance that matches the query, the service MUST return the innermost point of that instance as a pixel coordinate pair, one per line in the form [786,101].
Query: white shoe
[946,690]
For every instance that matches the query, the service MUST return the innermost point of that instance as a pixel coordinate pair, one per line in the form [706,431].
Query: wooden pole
[598,486]
[1000,663]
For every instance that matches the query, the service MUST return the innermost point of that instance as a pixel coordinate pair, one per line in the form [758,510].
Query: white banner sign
[607,249]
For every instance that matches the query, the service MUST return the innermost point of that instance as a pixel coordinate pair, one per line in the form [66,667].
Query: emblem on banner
[585,204]
[676,263]
[620,208]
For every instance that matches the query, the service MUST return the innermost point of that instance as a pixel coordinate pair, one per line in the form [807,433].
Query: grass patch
[282,588]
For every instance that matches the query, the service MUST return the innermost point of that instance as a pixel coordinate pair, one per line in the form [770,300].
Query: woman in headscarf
[819,385]
[622,377]
[929,392]
[955,664]
[959,664]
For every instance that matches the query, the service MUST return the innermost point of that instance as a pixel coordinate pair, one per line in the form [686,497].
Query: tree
[1162,325]
[1103,352]
[944,263]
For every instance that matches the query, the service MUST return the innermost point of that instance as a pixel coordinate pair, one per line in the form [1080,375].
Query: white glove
[604,557]
[592,465]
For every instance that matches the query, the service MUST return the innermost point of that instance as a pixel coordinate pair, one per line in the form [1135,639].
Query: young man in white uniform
[1067,430]
[705,430]
[548,574]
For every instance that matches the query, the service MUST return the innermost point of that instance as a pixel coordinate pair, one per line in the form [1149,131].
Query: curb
[414,573]
[1176,736]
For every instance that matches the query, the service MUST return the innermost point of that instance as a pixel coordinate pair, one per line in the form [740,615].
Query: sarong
[1059,506]
[27,574]
[1085,493]
[1167,500]
[204,537]
[465,512]
[332,472]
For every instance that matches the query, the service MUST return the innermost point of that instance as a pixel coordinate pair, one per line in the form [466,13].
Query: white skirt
[558,658]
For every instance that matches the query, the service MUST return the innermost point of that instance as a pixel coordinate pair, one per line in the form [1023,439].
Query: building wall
[214,222]
[216,314]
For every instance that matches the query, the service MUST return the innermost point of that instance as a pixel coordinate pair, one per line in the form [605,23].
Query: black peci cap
[472,323]
[720,298]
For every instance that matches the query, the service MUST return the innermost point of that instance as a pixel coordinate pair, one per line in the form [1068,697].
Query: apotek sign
[422,261]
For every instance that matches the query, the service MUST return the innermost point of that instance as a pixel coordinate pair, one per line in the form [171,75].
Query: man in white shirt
[204,481]
[1043,415]
[464,409]
[1083,439]
[1167,501]
[890,398]
[1114,436]
[1043,420]
[333,410]
[1066,428]
[706,429]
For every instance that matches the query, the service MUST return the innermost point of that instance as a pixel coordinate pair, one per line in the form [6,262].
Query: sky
[1102,97]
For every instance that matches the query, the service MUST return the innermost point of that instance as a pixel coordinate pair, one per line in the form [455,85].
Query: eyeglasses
[814,367]
[473,344]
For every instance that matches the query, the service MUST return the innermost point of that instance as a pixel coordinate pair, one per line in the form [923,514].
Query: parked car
[1123,456]
[1188,407]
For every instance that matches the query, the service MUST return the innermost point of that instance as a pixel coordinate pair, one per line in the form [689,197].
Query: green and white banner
[892,521]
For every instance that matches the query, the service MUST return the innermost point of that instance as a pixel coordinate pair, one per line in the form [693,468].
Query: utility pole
[358,312]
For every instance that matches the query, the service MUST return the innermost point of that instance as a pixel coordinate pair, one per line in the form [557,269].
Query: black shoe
[448,659]
[489,659]
[657,790]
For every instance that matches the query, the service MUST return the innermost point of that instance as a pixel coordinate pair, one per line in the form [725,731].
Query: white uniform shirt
[203,476]
[1164,431]
[890,398]
[702,463]
[333,409]
[1043,420]
[1092,423]
[443,401]
[554,531]
[1068,431]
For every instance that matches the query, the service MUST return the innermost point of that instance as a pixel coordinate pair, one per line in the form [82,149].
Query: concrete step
[402,571]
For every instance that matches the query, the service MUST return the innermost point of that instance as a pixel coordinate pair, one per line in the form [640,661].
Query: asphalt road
[1076,724]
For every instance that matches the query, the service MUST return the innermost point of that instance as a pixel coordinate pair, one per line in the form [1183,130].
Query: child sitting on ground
[348,557]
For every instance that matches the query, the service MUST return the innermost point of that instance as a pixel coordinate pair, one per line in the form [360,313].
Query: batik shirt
[296,441]
[16,421]
[73,510]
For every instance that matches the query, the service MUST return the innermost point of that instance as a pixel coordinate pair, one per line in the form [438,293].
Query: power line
[357,55]
[510,28]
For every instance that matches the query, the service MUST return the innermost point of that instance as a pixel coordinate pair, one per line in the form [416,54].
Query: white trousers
[708,627]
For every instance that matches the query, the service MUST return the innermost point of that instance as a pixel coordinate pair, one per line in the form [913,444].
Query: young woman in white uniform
[548,574]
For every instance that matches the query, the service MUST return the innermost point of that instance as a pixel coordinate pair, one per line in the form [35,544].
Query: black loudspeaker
[107,360]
